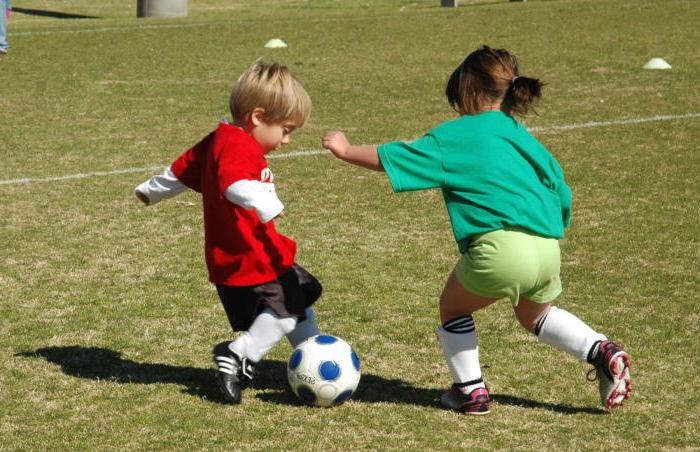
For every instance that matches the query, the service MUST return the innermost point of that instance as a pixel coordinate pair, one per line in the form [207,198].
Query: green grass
[106,316]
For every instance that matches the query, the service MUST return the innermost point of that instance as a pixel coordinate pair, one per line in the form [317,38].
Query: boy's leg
[565,331]
[304,329]
[309,291]
[287,299]
[284,300]
[235,360]
[457,337]
[266,331]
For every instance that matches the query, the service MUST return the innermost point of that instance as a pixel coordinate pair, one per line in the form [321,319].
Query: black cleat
[233,373]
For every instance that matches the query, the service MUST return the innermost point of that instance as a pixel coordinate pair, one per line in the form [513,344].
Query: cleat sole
[622,385]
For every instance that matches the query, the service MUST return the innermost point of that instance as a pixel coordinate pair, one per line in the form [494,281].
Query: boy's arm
[364,156]
[253,194]
[159,187]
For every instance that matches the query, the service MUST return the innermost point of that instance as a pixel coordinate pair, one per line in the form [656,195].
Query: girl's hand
[364,156]
[336,142]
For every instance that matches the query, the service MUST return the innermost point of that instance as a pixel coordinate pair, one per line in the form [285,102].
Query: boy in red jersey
[264,293]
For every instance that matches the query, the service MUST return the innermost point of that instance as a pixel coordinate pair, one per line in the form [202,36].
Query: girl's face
[270,136]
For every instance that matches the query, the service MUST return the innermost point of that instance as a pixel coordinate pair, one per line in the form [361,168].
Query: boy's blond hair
[273,88]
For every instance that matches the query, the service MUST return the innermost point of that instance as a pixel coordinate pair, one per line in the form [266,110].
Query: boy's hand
[336,142]
[143,198]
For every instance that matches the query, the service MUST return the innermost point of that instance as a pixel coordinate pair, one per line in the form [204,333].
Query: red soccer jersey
[239,249]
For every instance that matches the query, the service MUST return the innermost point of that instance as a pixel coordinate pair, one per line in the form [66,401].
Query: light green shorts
[511,263]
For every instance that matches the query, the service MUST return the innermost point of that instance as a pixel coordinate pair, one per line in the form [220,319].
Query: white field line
[28,180]
[304,153]
[619,122]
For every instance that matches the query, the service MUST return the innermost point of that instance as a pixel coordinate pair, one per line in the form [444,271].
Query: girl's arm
[364,156]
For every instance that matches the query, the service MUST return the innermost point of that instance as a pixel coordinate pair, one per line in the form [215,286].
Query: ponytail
[488,76]
[521,94]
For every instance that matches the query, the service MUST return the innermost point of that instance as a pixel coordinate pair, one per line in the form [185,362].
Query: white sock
[304,330]
[267,330]
[457,338]
[565,331]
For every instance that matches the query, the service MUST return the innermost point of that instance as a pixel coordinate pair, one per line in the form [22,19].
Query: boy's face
[271,136]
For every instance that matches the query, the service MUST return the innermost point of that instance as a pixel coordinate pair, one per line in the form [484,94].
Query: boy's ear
[257,116]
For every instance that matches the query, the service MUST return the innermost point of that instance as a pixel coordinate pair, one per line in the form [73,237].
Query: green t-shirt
[492,172]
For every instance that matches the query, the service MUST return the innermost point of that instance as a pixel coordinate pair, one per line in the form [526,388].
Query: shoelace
[611,349]
[595,375]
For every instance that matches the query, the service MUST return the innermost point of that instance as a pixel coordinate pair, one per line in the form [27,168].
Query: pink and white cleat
[612,370]
[475,403]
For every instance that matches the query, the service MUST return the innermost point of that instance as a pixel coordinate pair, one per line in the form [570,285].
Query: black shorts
[288,295]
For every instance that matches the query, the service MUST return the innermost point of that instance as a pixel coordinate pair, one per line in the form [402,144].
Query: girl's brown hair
[489,76]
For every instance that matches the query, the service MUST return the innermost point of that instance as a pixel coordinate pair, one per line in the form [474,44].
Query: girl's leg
[457,336]
[530,313]
[558,328]
[565,331]
[456,301]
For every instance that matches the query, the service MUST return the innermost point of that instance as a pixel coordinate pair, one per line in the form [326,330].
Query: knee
[527,323]
[314,291]
[451,311]
[531,321]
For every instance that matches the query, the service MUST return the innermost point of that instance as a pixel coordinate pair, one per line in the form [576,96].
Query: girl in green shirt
[508,205]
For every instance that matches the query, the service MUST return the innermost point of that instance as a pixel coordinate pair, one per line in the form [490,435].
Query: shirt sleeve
[160,187]
[414,165]
[565,198]
[188,166]
[253,194]
[563,190]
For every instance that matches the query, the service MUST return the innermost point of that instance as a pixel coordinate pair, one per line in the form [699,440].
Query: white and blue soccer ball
[323,371]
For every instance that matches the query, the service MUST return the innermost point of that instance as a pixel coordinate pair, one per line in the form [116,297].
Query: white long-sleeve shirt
[249,194]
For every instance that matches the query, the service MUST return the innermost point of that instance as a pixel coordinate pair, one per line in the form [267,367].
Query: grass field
[106,315]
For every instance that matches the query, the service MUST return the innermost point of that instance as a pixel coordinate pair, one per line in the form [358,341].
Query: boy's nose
[285,139]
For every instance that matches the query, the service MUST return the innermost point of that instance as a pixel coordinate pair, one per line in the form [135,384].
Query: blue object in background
[4,8]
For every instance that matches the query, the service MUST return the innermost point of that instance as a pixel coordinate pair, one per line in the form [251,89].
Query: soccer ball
[323,371]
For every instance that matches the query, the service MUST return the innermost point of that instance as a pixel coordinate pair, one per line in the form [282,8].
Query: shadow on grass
[374,389]
[97,363]
[271,376]
[557,408]
[54,14]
